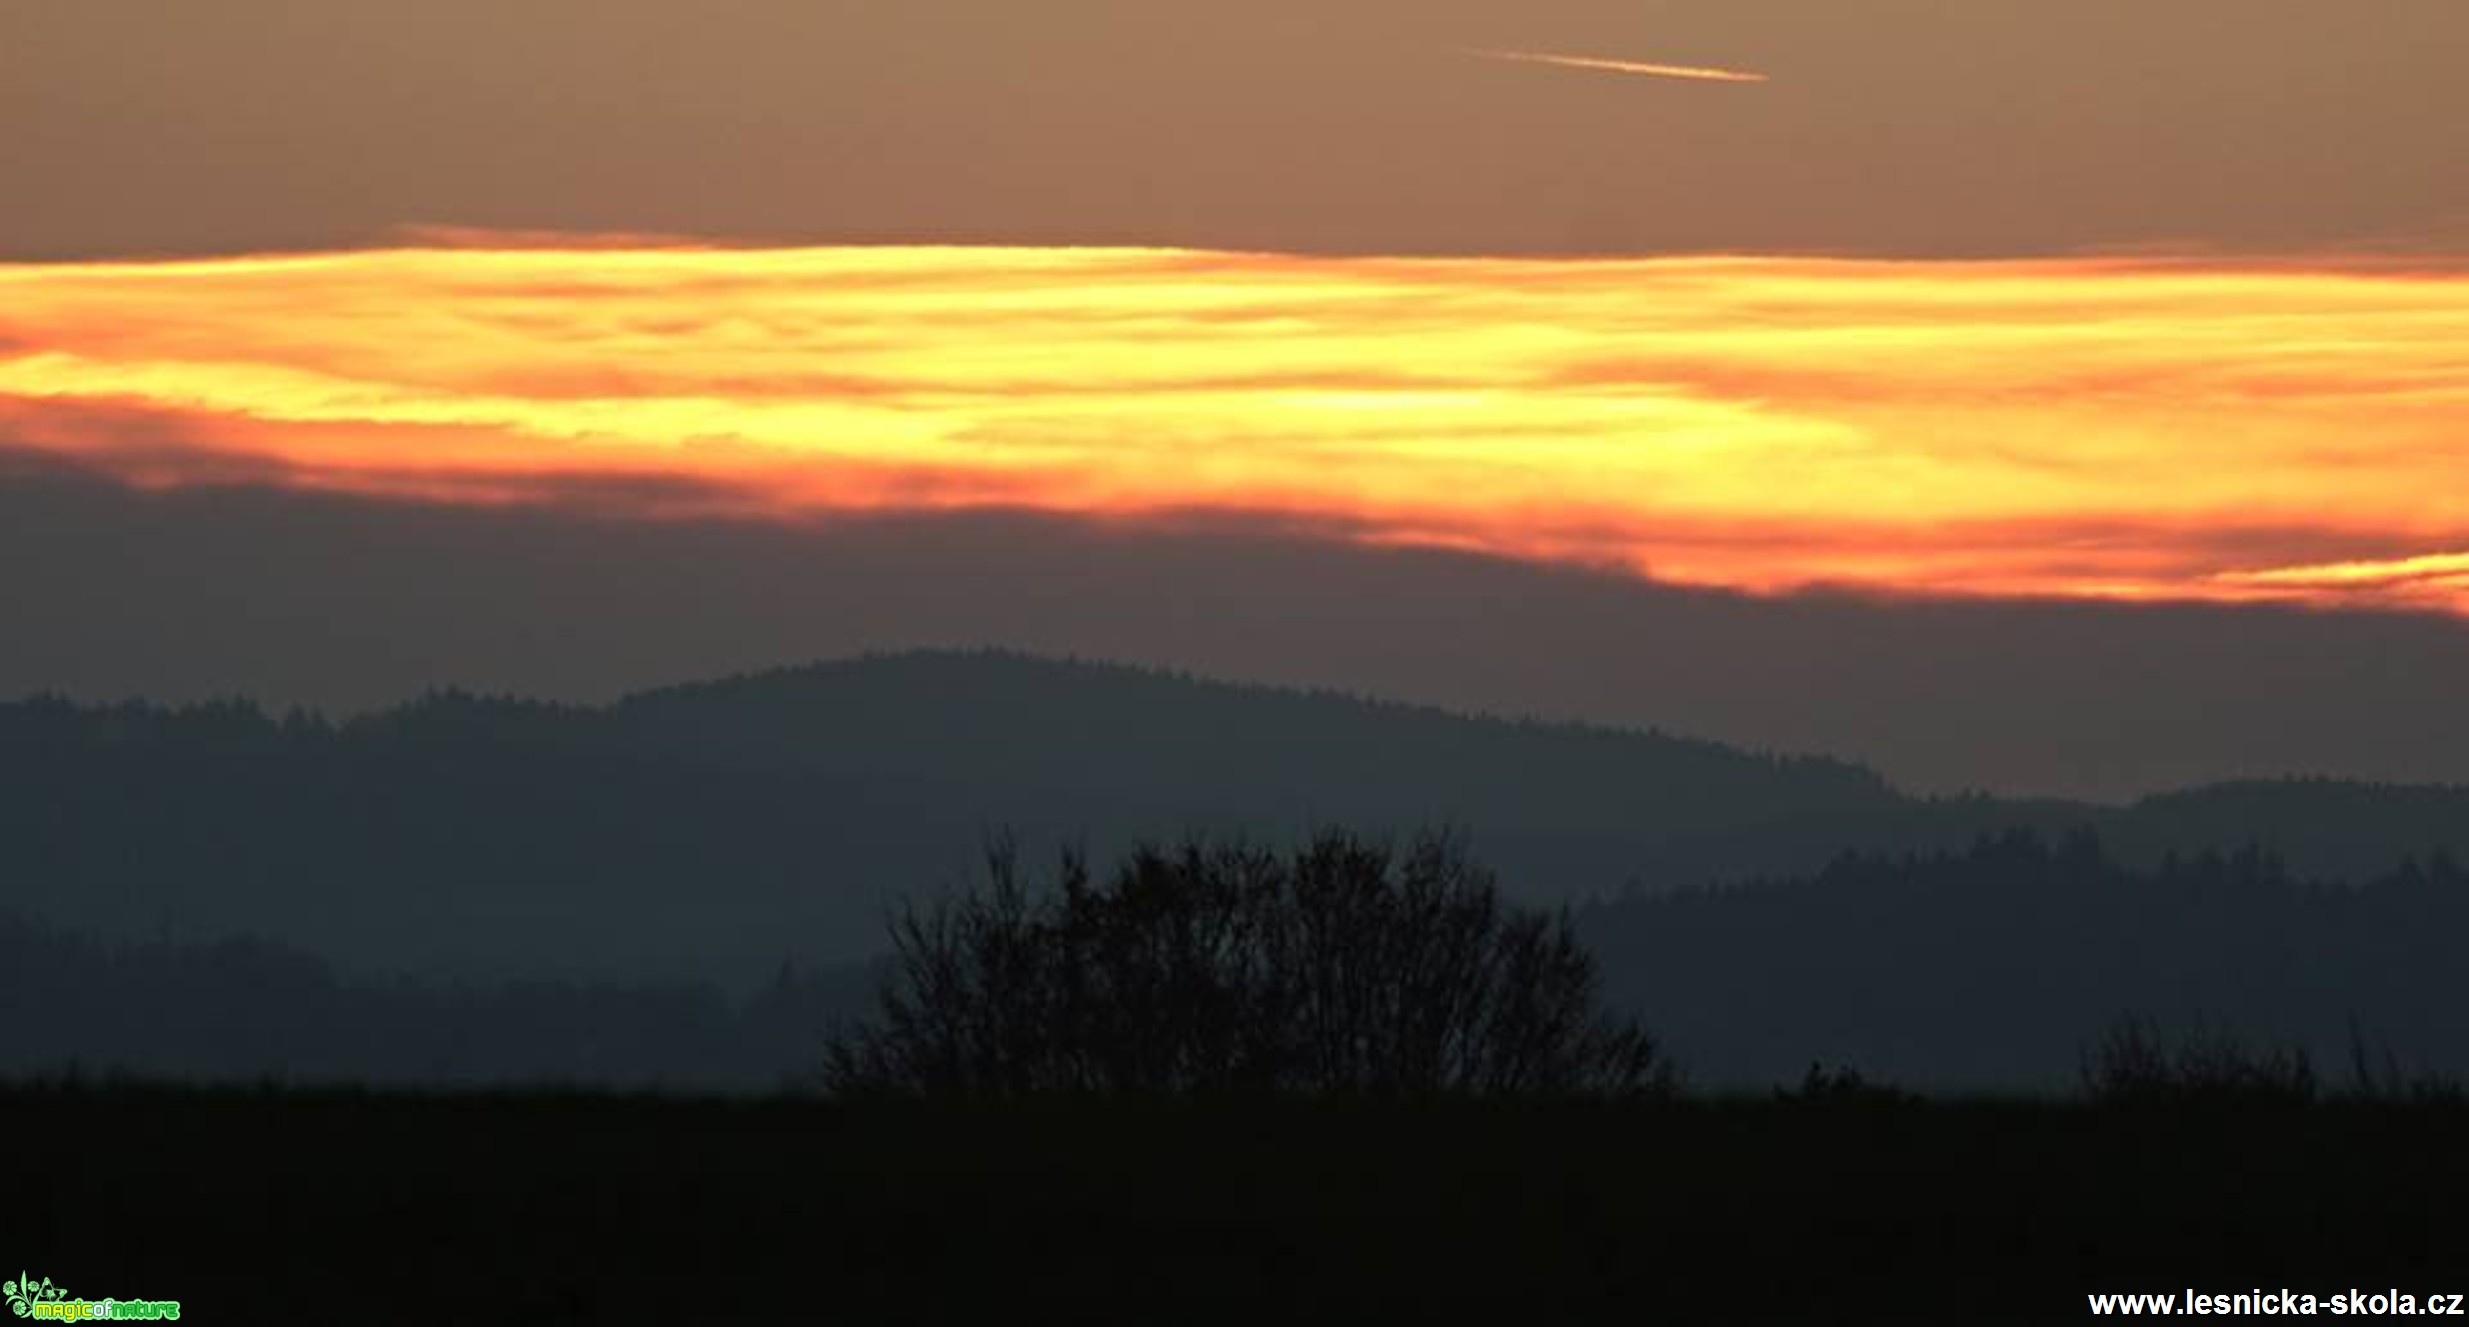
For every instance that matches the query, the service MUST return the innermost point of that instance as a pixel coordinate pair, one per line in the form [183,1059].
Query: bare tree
[1342,966]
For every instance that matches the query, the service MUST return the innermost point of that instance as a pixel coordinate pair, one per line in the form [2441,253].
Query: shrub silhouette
[1842,1086]
[2376,1076]
[1339,967]
[2135,1065]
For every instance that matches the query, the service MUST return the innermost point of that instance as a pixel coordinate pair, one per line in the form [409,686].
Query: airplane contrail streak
[1702,74]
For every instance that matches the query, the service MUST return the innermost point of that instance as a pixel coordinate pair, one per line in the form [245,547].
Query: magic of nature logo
[41,1300]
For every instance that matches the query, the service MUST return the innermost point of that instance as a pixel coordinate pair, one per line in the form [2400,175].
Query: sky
[1913,127]
[347,602]
[1997,303]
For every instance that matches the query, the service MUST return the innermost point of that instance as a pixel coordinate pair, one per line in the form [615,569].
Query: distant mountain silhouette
[354,603]
[1996,968]
[243,1009]
[708,832]
[1981,969]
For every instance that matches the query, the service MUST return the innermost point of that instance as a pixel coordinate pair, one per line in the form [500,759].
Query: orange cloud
[2437,580]
[2134,429]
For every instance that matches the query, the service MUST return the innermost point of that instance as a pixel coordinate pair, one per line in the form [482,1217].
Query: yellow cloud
[2110,428]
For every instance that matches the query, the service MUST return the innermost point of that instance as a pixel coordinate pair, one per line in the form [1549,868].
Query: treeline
[247,1009]
[2007,967]
[698,833]
[1999,967]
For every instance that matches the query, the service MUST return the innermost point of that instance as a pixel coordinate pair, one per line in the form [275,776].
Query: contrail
[1700,73]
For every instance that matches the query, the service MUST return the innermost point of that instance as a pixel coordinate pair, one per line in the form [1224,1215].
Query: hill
[709,832]
[1996,968]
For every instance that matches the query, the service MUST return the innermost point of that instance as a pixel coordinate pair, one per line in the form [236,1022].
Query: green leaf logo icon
[25,1292]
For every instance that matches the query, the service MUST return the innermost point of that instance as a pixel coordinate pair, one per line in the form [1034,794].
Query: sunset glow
[2100,428]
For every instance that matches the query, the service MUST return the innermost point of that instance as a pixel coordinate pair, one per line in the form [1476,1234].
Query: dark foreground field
[338,1207]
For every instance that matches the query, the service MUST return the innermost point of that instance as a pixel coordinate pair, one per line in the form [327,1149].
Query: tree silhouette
[1341,966]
